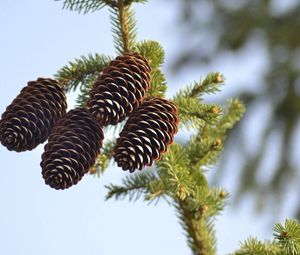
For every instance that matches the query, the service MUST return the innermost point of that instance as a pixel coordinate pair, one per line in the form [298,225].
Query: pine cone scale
[73,140]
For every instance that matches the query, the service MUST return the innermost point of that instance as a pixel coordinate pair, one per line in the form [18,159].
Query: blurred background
[258,42]
[254,43]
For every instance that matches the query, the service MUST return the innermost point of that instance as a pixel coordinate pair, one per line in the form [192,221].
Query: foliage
[271,27]
[179,176]
[123,28]
[286,242]
[104,158]
[180,173]
[85,6]
[133,187]
[81,71]
[155,54]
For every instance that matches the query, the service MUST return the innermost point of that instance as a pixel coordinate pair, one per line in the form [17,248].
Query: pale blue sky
[37,38]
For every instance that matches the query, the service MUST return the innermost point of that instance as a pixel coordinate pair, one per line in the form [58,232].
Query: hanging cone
[28,120]
[146,134]
[120,89]
[71,150]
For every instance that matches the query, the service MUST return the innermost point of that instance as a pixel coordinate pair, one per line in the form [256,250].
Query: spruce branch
[205,148]
[231,115]
[83,97]
[132,186]
[81,71]
[210,85]
[212,198]
[158,86]
[180,174]
[173,170]
[85,6]
[104,158]
[288,236]
[206,199]
[286,241]
[129,2]
[199,231]
[204,151]
[252,246]
[157,189]
[155,54]
[152,51]
[123,27]
[234,111]
[194,114]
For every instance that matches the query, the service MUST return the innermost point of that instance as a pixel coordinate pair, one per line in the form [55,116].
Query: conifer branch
[194,114]
[204,151]
[83,97]
[288,236]
[129,2]
[81,71]
[85,6]
[231,115]
[104,158]
[133,186]
[234,111]
[158,85]
[124,25]
[152,51]
[254,246]
[197,213]
[200,233]
[286,241]
[210,85]
[155,54]
[180,174]
[173,170]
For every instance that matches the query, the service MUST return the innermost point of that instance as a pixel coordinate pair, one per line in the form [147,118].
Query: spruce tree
[126,93]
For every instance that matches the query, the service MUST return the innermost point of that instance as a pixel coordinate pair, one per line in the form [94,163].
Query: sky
[37,38]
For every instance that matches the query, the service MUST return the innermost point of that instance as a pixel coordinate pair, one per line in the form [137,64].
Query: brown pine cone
[29,119]
[72,148]
[120,89]
[146,134]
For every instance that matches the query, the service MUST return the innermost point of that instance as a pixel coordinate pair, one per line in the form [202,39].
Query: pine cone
[72,149]
[28,120]
[146,134]
[120,89]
